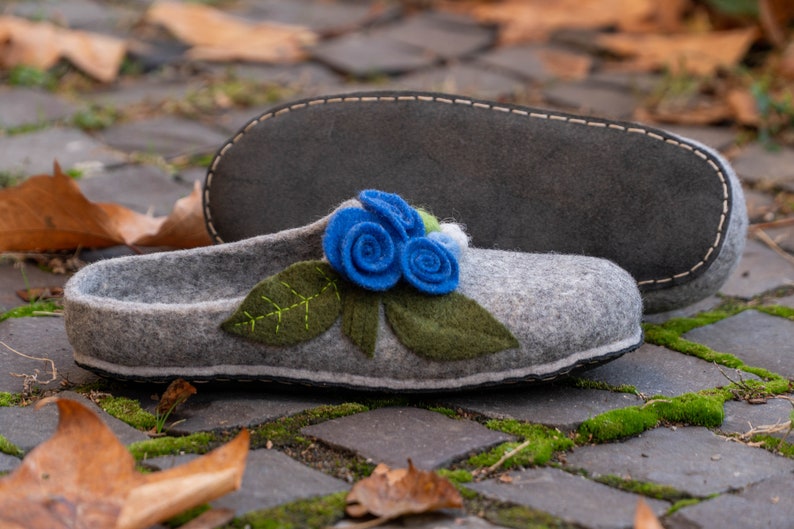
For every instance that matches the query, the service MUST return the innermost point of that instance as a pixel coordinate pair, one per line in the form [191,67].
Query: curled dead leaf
[217,36]
[175,395]
[697,53]
[50,213]
[389,493]
[84,477]
[42,44]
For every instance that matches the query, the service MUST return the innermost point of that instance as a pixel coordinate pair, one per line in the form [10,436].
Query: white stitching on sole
[479,105]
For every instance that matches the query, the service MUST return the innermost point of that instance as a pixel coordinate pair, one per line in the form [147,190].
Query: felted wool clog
[376,296]
[667,209]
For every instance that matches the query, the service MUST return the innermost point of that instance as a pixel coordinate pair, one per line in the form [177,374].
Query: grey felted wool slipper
[665,208]
[376,296]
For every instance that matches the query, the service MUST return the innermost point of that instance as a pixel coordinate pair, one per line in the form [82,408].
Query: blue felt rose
[429,267]
[447,241]
[362,249]
[395,211]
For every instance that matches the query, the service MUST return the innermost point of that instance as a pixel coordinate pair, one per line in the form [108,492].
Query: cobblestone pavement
[689,460]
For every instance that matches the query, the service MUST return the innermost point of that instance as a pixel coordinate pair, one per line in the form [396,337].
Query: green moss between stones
[644,488]
[584,383]
[515,516]
[197,443]
[545,442]
[775,445]
[312,512]
[452,414]
[680,504]
[698,409]
[286,430]
[129,411]
[7,447]
[31,309]
[777,310]
[616,424]
[9,399]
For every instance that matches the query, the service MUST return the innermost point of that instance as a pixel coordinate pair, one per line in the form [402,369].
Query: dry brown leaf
[50,213]
[644,517]
[175,395]
[564,64]
[217,36]
[84,477]
[775,16]
[523,21]
[184,227]
[41,45]
[38,293]
[700,54]
[389,493]
[744,107]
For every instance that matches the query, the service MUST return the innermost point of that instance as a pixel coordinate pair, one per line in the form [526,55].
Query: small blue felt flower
[405,220]
[362,249]
[429,267]
[447,241]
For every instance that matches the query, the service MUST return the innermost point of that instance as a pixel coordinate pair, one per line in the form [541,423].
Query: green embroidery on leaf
[450,327]
[293,306]
[360,317]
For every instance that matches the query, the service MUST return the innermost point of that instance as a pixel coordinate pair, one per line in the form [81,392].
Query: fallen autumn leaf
[216,36]
[389,493]
[42,44]
[84,477]
[50,213]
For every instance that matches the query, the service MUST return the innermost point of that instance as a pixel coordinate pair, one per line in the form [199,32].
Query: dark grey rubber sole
[665,208]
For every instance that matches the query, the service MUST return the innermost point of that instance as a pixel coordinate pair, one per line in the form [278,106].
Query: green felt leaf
[450,327]
[360,317]
[293,306]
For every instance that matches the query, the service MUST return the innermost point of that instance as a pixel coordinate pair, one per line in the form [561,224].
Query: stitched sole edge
[374,384]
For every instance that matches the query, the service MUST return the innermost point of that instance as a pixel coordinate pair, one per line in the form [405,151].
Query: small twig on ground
[486,471]
[766,239]
[52,364]
[780,223]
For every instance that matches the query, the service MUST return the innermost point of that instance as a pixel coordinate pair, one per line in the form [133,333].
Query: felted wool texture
[158,316]
[519,178]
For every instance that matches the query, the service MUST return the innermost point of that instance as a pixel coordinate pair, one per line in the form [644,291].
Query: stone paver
[765,504]
[144,188]
[761,206]
[34,153]
[25,107]
[372,55]
[444,35]
[392,435]
[592,98]
[783,236]
[741,416]
[45,340]
[654,370]
[271,478]
[167,136]
[692,460]
[685,312]
[787,301]
[464,79]
[759,339]
[538,63]
[573,498]
[8,463]
[555,406]
[759,270]
[27,427]
[766,167]
[145,91]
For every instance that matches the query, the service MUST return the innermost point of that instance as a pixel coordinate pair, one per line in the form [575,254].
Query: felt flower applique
[388,253]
